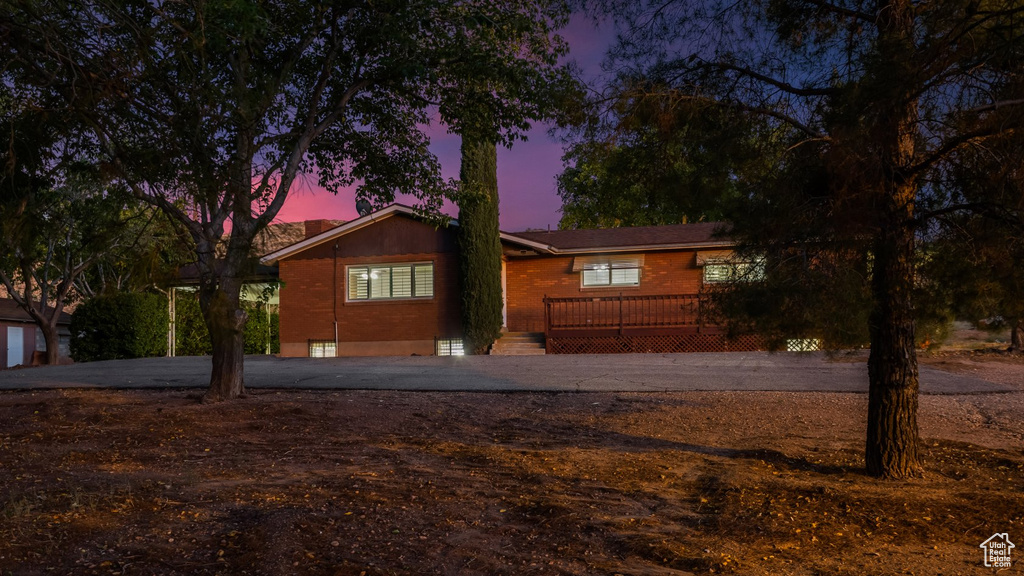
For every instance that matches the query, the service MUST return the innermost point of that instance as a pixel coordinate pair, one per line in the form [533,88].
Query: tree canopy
[872,104]
[655,156]
[212,110]
[58,215]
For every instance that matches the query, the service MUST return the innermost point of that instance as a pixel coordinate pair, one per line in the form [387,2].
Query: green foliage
[259,330]
[656,157]
[192,338]
[816,281]
[479,245]
[58,214]
[122,325]
[971,267]
[150,256]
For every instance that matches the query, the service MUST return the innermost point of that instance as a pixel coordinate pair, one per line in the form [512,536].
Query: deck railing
[621,314]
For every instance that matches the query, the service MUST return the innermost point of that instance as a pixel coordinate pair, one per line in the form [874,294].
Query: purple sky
[526,173]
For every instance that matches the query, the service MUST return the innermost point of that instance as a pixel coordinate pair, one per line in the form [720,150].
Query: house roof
[10,311]
[350,226]
[628,239]
[547,242]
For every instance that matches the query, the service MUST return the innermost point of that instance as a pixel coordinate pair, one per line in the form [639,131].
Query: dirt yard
[374,483]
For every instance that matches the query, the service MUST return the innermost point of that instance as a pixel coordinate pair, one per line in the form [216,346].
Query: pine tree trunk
[892,435]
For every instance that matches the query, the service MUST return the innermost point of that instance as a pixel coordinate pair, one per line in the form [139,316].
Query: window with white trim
[613,272]
[391,281]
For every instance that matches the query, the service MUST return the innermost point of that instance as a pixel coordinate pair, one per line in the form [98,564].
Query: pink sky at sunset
[526,173]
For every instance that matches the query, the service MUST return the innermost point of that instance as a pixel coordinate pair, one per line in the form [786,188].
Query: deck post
[547,316]
[620,313]
[700,314]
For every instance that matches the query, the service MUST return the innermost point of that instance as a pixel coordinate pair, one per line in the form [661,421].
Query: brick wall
[314,285]
[529,279]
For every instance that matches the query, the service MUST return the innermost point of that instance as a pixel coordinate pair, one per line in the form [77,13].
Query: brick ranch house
[387,284]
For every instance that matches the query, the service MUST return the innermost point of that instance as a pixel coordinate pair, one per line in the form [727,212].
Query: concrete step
[520,352]
[519,344]
[522,337]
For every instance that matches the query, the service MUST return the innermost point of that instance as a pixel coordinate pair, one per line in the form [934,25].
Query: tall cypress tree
[479,244]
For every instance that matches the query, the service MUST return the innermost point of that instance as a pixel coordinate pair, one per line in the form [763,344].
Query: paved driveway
[553,373]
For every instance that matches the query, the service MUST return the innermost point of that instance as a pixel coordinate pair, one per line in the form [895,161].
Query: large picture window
[391,281]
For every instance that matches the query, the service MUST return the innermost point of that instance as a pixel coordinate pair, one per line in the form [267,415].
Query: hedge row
[134,325]
[129,325]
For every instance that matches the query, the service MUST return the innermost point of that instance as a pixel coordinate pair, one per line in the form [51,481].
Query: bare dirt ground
[372,483]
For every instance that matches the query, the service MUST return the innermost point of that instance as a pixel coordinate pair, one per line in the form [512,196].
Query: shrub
[125,325]
[192,338]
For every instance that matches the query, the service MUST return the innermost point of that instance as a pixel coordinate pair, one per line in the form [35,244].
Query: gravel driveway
[805,372]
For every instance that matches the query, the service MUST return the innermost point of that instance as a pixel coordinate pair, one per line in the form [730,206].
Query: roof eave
[640,248]
[512,238]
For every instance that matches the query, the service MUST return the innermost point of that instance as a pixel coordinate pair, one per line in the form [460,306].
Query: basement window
[448,347]
[322,349]
[803,345]
[391,281]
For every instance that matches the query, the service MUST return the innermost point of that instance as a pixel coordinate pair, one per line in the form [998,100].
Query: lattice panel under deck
[653,344]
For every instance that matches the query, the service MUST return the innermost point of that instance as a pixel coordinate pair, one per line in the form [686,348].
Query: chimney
[314,227]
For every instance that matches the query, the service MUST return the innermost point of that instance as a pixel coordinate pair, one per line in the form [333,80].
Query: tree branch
[857,14]
[302,145]
[997,105]
[952,144]
[784,86]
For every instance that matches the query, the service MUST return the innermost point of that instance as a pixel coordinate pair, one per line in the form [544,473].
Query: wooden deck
[621,315]
[667,323]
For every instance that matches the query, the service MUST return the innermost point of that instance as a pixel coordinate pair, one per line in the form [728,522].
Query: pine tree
[479,245]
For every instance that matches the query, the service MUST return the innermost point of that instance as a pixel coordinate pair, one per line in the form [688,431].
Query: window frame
[391,286]
[609,269]
[325,345]
[745,270]
[449,347]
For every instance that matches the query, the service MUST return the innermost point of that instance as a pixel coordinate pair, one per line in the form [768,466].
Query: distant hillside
[276,236]
[281,234]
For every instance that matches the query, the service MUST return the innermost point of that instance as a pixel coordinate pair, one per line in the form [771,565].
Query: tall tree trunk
[220,289]
[1017,335]
[892,435]
[225,320]
[51,337]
